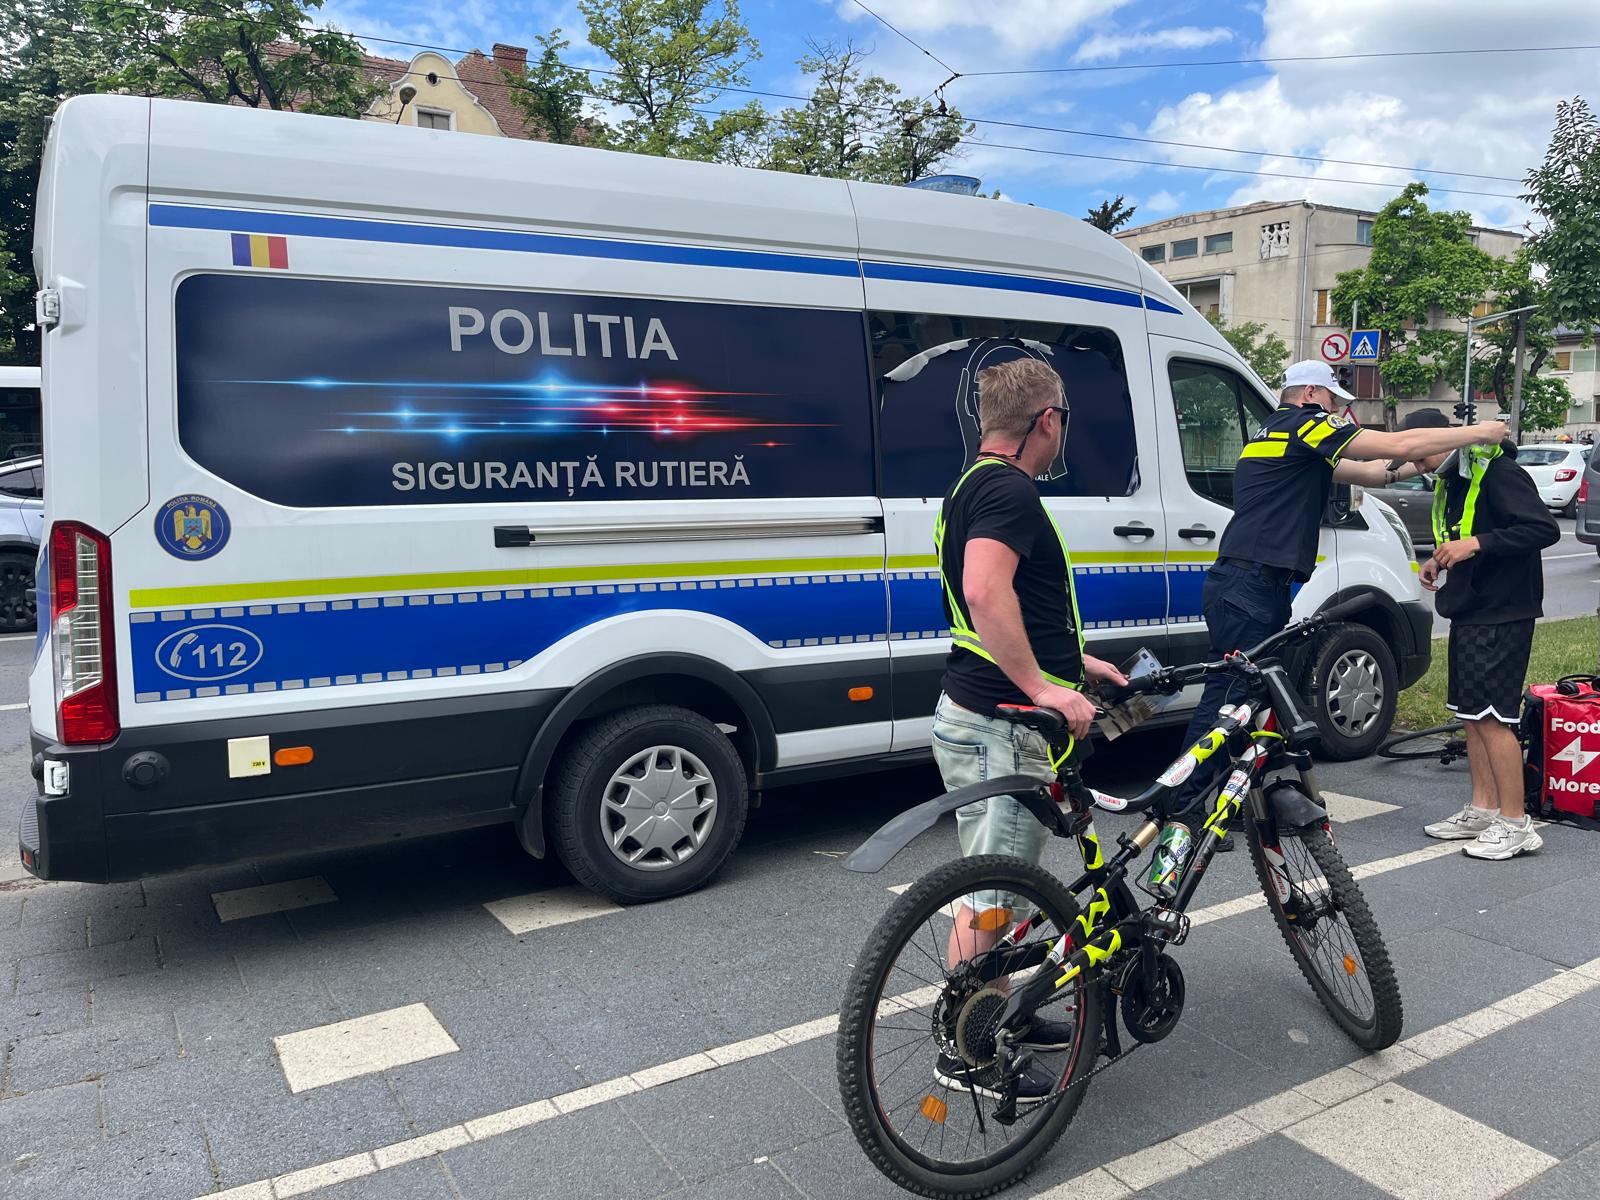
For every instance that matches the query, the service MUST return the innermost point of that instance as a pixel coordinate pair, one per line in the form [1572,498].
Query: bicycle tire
[1442,743]
[1382,1029]
[902,922]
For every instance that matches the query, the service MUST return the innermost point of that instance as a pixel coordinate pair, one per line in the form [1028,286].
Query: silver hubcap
[659,808]
[1355,693]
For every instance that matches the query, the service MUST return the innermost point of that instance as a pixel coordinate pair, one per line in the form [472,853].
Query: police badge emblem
[192,527]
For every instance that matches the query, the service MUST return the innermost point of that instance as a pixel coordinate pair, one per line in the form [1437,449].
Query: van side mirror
[1340,505]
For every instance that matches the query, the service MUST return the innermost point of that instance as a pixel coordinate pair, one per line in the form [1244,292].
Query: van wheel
[648,803]
[17,614]
[1352,686]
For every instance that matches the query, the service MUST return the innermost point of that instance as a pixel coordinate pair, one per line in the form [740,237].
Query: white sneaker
[1468,823]
[1505,839]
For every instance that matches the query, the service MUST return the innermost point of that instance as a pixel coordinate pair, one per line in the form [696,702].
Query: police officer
[1280,488]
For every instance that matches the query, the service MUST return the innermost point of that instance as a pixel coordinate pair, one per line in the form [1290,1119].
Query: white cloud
[982,37]
[1104,46]
[1159,204]
[1486,114]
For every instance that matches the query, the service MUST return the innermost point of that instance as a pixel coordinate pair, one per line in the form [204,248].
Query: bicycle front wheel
[1441,743]
[916,1047]
[1329,929]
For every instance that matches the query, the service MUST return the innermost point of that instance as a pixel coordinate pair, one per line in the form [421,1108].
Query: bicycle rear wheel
[1329,929]
[915,1035]
[1444,743]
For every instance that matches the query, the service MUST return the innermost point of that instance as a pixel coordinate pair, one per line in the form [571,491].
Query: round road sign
[1335,346]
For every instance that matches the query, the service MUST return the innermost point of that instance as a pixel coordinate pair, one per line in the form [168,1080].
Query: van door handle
[1133,531]
[1198,531]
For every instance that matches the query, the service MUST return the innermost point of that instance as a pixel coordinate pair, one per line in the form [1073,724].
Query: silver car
[1589,504]
[21,527]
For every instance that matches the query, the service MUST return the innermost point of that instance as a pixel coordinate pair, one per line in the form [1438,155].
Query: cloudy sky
[1472,124]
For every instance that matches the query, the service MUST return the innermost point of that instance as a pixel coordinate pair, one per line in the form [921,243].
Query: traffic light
[1463,411]
[1347,377]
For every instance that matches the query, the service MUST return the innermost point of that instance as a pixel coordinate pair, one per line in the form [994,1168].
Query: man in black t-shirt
[1280,488]
[1015,639]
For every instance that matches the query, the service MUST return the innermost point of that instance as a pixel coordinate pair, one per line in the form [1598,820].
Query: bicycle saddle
[1041,720]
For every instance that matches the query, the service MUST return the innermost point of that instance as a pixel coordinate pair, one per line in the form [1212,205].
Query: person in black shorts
[1280,488]
[1489,526]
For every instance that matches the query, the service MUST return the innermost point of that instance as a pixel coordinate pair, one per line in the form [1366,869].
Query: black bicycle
[984,999]
[1440,743]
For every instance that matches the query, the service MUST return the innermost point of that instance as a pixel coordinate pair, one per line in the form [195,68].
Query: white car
[1557,469]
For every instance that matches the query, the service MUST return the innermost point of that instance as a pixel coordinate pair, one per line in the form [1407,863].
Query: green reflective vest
[961,631]
[1478,459]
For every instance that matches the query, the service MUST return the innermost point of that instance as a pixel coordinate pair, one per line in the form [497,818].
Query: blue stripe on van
[183,216]
[956,277]
[176,216]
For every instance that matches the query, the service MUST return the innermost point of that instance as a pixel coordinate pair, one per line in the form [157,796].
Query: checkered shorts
[1488,665]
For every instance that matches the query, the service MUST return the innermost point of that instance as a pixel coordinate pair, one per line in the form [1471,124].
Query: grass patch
[1559,648]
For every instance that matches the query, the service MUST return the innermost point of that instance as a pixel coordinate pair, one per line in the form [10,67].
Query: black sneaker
[1225,844]
[1036,1084]
[1048,1035]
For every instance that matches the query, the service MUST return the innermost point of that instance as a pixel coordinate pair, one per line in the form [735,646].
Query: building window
[1363,233]
[1213,310]
[1219,243]
[1561,360]
[1154,254]
[1187,248]
[428,118]
[1322,307]
[1584,360]
[1275,240]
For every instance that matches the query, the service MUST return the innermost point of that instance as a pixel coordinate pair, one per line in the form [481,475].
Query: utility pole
[1516,380]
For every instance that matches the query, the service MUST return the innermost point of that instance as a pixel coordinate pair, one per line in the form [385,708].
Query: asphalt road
[1571,579]
[448,1020]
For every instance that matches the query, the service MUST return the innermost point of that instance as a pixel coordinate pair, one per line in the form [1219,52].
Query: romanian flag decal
[260,250]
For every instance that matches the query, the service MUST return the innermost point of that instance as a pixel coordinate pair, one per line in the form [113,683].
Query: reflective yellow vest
[961,632]
[1478,458]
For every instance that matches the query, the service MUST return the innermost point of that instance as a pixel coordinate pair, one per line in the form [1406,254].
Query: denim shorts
[970,748]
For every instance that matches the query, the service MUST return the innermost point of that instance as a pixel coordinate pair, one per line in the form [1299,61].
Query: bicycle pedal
[1166,925]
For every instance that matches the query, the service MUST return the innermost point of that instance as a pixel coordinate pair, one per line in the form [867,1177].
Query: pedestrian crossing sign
[1364,345]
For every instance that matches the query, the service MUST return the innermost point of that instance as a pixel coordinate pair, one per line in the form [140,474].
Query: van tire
[1352,685]
[17,612]
[618,743]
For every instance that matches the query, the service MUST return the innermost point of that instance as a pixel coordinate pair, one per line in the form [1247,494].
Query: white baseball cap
[1311,373]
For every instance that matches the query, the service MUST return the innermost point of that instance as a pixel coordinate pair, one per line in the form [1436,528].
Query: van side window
[926,367]
[1218,412]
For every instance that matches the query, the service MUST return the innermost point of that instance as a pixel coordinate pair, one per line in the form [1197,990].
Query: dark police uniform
[1280,488]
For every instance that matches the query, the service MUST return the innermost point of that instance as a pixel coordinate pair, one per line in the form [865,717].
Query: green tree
[553,96]
[259,53]
[1424,270]
[1110,215]
[47,54]
[860,126]
[1565,191]
[670,60]
[1267,353]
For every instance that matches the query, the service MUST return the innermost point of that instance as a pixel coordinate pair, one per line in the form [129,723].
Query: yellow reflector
[860,693]
[991,919]
[1349,965]
[292,756]
[935,1109]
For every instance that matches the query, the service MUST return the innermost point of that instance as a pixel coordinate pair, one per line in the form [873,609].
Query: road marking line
[1273,1114]
[1418,1149]
[1554,557]
[541,910]
[343,1050]
[240,903]
[1344,809]
[13,707]
[19,637]
[1337,1091]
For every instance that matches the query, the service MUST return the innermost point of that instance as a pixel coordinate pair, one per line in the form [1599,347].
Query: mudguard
[876,852]
[1292,806]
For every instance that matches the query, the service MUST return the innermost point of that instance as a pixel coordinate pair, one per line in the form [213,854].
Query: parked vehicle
[583,492]
[1557,469]
[1412,501]
[1588,504]
[21,520]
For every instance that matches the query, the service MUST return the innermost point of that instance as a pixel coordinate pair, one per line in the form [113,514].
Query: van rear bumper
[377,774]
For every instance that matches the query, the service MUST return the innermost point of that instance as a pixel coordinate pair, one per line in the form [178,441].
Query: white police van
[403,482]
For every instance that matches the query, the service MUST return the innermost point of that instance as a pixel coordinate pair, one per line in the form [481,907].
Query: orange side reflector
[860,693]
[991,919]
[935,1109]
[292,756]
[1349,965]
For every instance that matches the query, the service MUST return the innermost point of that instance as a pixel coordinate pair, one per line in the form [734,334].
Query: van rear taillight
[82,644]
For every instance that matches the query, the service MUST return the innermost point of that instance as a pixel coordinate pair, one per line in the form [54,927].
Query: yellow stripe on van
[226,593]
[260,252]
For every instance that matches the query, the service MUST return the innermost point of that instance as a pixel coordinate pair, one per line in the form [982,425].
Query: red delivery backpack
[1562,722]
